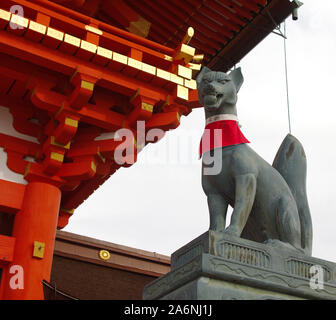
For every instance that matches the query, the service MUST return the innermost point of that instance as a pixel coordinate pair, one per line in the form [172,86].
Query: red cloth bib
[221,134]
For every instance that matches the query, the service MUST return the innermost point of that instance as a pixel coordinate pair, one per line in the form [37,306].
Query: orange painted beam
[79,170]
[62,63]
[79,20]
[84,86]
[22,112]
[164,121]
[66,129]
[90,113]
[11,196]
[89,148]
[107,40]
[16,150]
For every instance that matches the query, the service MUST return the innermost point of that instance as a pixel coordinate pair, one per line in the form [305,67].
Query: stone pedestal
[216,266]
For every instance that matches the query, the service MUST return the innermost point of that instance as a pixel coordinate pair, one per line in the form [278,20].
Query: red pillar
[35,223]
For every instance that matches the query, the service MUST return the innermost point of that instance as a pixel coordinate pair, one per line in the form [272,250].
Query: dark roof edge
[252,34]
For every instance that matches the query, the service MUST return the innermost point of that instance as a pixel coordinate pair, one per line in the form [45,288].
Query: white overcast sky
[158,204]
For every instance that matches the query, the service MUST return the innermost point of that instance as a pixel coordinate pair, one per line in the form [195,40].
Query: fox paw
[232,231]
[283,245]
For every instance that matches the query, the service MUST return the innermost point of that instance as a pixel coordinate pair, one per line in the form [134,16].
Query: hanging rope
[286,74]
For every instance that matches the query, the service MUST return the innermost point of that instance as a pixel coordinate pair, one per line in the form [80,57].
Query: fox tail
[290,161]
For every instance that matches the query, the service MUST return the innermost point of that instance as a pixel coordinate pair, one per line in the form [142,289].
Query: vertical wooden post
[34,230]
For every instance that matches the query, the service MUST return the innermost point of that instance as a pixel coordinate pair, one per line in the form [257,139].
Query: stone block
[216,266]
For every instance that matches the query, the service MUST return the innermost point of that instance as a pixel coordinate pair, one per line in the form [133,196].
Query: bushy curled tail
[290,161]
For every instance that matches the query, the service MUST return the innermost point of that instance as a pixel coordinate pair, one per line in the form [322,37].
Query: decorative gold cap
[104,255]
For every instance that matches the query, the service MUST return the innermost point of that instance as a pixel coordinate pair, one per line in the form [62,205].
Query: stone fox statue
[269,202]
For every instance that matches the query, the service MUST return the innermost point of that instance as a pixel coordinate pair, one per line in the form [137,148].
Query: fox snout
[210,88]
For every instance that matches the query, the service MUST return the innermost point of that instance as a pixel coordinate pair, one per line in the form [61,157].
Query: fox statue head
[217,91]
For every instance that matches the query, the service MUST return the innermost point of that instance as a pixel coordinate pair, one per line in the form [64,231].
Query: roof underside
[225,30]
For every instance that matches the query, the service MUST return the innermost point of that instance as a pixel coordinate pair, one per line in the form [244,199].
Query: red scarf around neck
[219,134]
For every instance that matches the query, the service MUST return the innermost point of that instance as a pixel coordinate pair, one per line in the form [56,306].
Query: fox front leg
[244,198]
[217,210]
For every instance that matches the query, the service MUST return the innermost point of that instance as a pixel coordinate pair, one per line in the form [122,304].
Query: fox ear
[237,77]
[201,74]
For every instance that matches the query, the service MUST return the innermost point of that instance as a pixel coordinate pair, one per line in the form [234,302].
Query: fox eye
[223,81]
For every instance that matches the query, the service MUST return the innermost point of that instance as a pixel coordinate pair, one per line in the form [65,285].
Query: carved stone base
[219,267]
